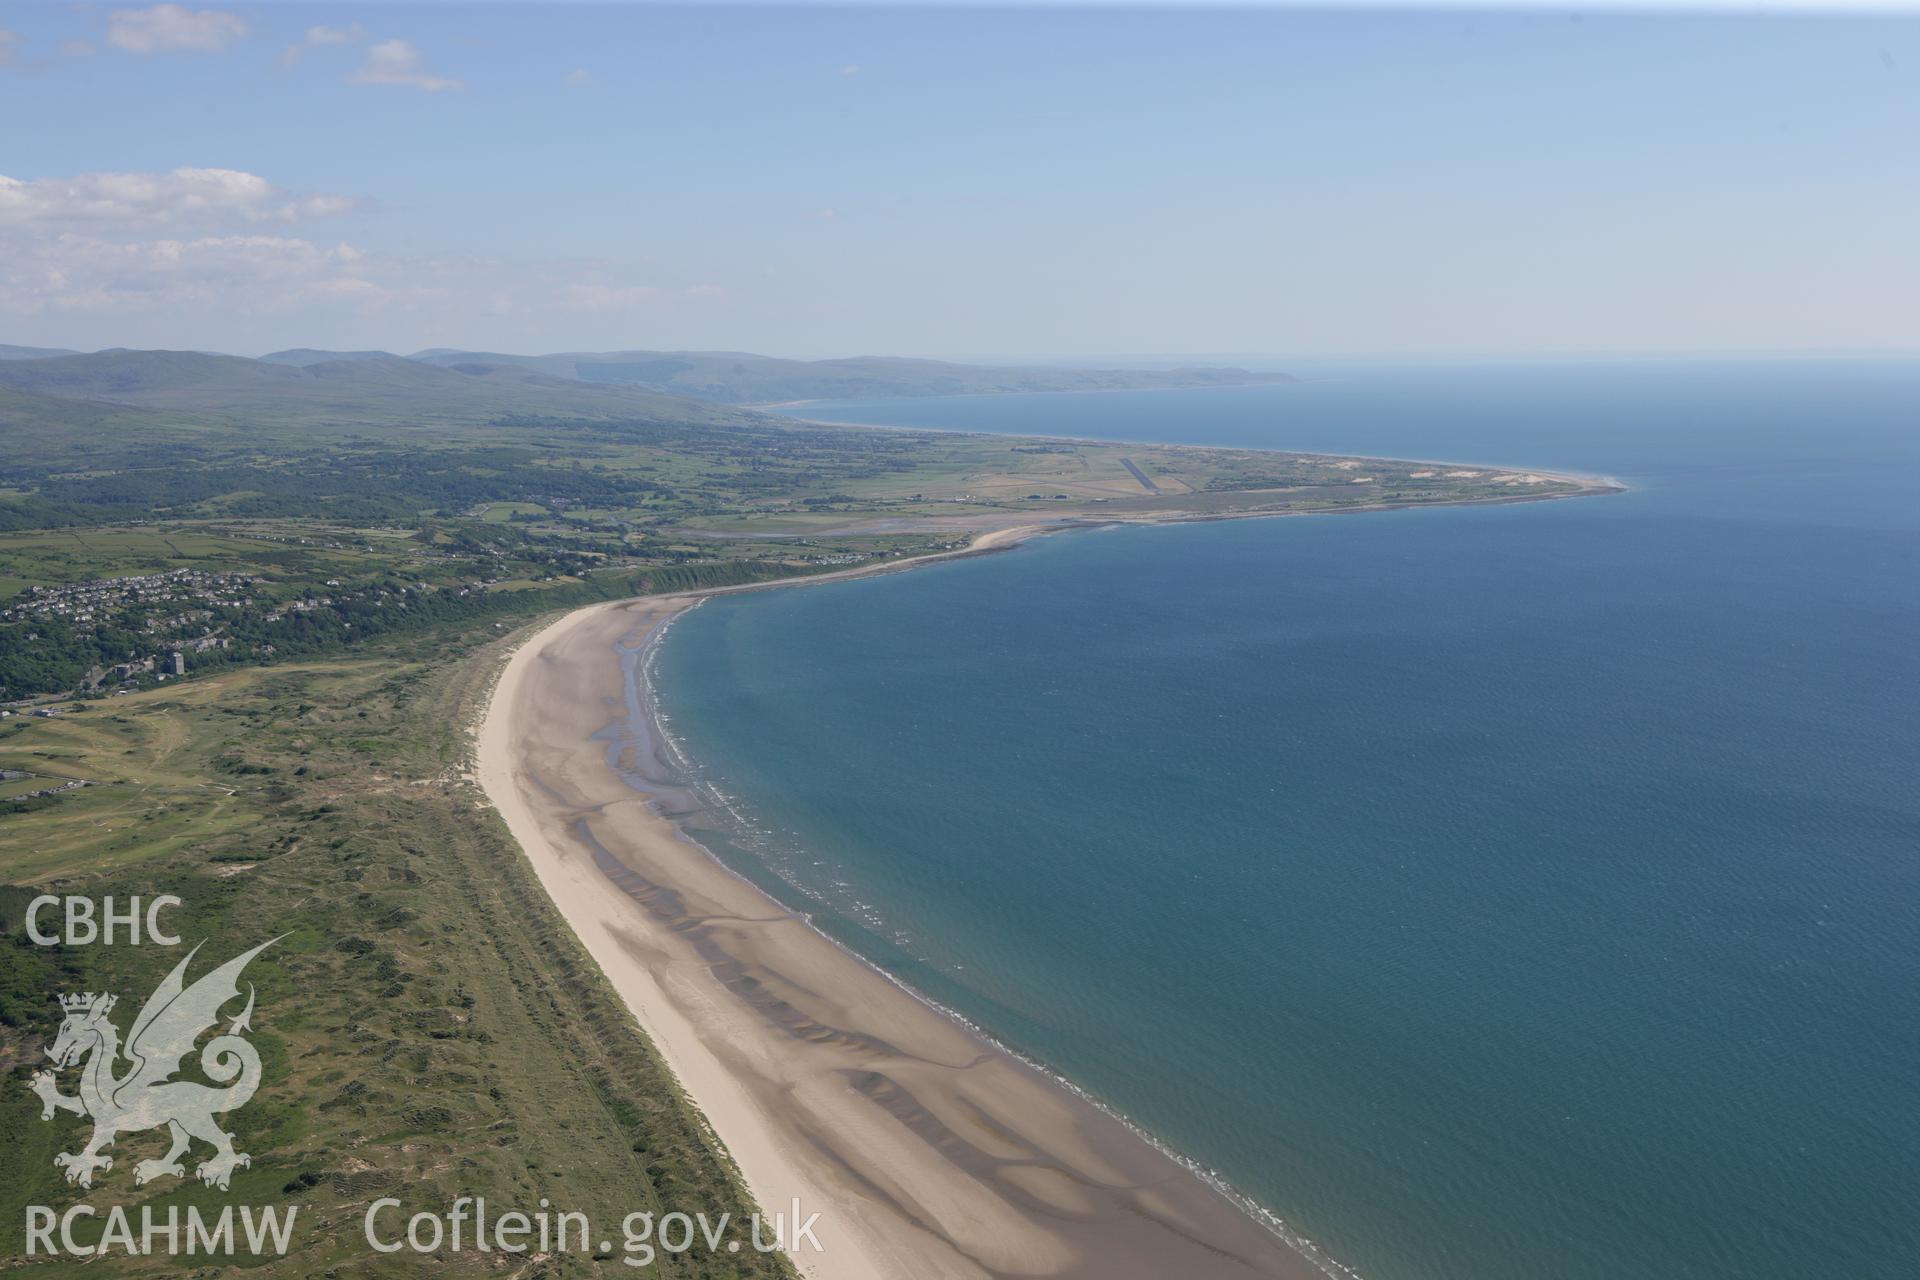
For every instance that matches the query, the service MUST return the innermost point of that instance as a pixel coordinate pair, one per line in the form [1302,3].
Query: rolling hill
[376,389]
[735,377]
[300,357]
[8,352]
[433,391]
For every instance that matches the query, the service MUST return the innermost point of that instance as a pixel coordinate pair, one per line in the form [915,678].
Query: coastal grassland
[347,529]
[430,1028]
[616,484]
[151,783]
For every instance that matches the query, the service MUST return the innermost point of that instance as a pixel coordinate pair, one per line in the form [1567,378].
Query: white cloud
[142,259]
[321,37]
[10,42]
[579,78]
[398,62]
[173,28]
[851,69]
[152,290]
[72,273]
[183,197]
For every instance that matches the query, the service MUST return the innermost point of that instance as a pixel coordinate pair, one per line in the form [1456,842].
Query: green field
[49,556]
[351,530]
[429,1026]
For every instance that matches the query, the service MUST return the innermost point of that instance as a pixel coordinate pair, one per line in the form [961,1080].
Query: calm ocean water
[1512,893]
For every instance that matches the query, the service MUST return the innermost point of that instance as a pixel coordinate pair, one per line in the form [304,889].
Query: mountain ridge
[10,352]
[375,389]
[444,384]
[743,378]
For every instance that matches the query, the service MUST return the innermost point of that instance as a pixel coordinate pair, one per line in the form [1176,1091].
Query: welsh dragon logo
[144,1095]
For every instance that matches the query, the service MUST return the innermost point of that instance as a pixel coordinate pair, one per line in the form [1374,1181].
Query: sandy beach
[927,1150]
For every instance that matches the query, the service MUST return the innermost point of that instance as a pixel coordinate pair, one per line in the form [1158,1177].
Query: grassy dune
[429,1027]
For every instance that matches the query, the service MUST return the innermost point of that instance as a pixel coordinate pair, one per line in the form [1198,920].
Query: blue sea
[1497,893]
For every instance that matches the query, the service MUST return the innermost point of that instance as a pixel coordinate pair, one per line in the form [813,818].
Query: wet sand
[927,1150]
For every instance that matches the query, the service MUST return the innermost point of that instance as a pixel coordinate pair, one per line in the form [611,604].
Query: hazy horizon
[1003,183]
[1256,361]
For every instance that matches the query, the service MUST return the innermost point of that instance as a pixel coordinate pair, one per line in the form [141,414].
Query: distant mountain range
[737,377]
[371,390]
[301,357]
[717,377]
[32,353]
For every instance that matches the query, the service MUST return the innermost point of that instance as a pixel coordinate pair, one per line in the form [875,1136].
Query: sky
[985,182]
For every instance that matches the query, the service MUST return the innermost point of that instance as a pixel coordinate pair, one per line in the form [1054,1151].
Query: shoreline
[930,1149]
[1283,380]
[1591,483]
[992,538]
[927,1150]
[1306,1248]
